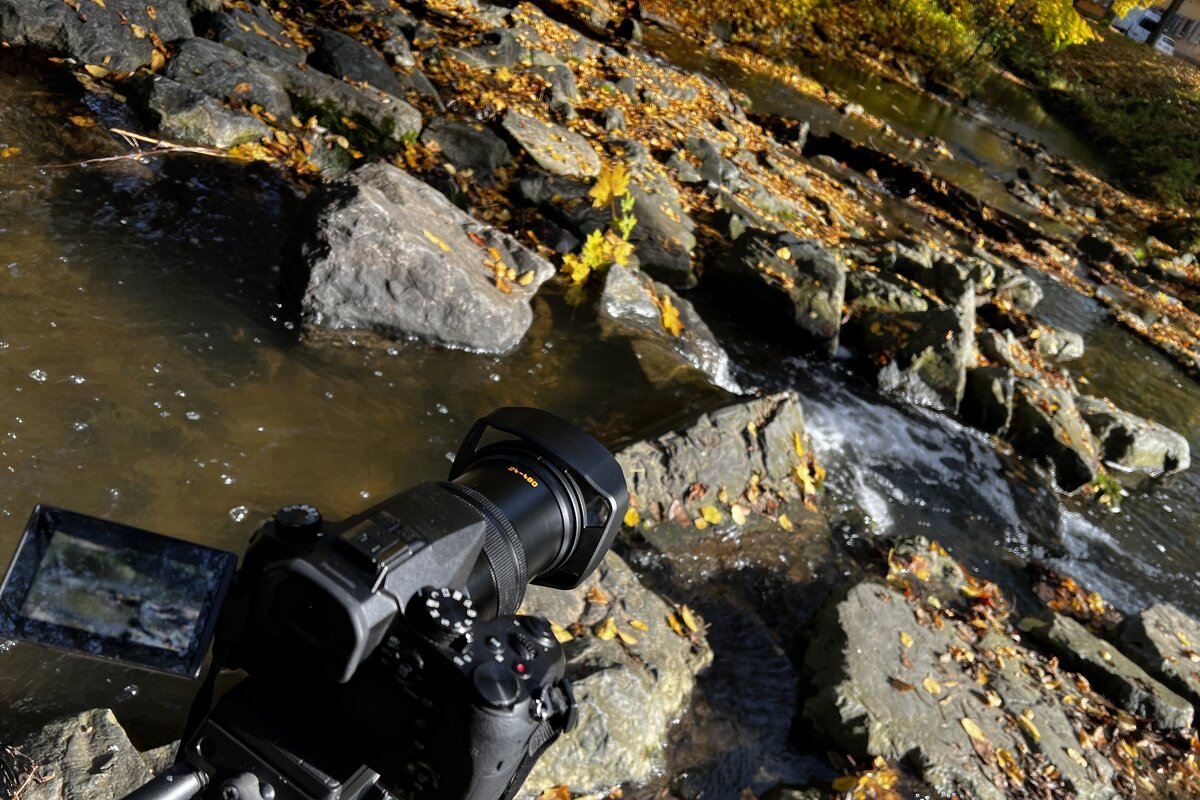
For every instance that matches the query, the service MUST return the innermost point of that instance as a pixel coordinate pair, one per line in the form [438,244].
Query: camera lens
[552,499]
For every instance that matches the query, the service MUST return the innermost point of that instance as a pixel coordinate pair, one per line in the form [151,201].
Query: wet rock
[873,291]
[855,659]
[391,254]
[1047,424]
[554,148]
[1181,269]
[714,167]
[783,277]
[1059,344]
[598,16]
[629,301]
[340,56]
[613,119]
[469,145]
[950,275]
[184,114]
[380,117]
[1102,250]
[103,36]
[1021,290]
[498,50]
[721,449]
[628,694]
[1162,639]
[782,792]
[1109,670]
[924,354]
[630,30]
[86,755]
[1182,234]
[253,32]
[1131,443]
[561,80]
[1004,349]
[912,259]
[988,400]
[225,74]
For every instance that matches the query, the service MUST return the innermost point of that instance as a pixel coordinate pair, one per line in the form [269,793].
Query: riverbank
[468,224]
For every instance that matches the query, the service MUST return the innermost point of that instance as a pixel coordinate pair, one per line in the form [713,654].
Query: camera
[382,655]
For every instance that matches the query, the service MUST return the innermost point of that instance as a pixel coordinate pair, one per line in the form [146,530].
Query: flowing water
[150,374]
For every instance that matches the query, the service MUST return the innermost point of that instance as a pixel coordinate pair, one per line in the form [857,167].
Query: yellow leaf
[783,252]
[242,87]
[560,633]
[1077,757]
[626,638]
[638,625]
[670,318]
[137,30]
[1026,722]
[151,12]
[973,730]
[555,793]
[597,596]
[612,182]
[798,444]
[100,3]
[95,70]
[932,686]
[1009,765]
[701,523]
[574,266]
[786,523]
[436,240]
[632,517]
[1183,640]
[81,121]
[676,626]
[606,629]
[526,277]
[9,152]
[906,639]
[738,513]
[845,783]
[157,60]
[688,618]
[711,514]
[622,251]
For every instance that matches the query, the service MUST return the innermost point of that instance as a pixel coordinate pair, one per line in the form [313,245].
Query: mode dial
[298,522]
[441,614]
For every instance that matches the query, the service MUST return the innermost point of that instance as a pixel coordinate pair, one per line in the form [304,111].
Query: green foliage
[603,248]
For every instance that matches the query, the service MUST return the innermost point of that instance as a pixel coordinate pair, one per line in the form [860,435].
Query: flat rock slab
[629,692]
[84,756]
[1166,642]
[554,148]
[630,303]
[186,114]
[721,449]
[869,661]
[1109,670]
[390,254]
[1131,443]
[225,74]
[103,36]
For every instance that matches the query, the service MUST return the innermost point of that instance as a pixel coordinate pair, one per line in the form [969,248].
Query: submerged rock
[631,300]
[390,254]
[1109,670]
[1163,640]
[723,449]
[781,277]
[1131,443]
[629,691]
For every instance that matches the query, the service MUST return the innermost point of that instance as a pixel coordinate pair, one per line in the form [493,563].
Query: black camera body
[383,653]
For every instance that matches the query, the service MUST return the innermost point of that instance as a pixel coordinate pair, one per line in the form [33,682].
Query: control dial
[298,522]
[443,615]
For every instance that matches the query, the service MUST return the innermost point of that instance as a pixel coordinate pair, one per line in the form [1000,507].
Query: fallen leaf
[688,618]
[637,624]
[607,629]
[95,70]
[436,240]
[526,277]
[555,793]
[711,514]
[676,626]
[626,638]
[242,87]
[1077,757]
[9,152]
[1009,765]
[786,523]
[906,638]
[560,633]
[845,783]
[137,30]
[931,685]
[632,517]
[739,514]
[901,686]
[1026,722]
[157,60]
[973,730]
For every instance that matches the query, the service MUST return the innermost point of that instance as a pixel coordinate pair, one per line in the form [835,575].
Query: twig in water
[161,147]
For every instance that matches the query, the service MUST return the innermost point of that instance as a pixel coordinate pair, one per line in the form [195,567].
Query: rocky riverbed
[454,156]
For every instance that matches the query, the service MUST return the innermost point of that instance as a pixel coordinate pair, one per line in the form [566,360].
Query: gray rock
[1059,344]
[1047,424]
[782,792]
[1005,350]
[613,119]
[225,74]
[561,80]
[628,694]
[1163,640]
[376,113]
[469,145]
[628,301]
[554,148]
[874,291]
[952,274]
[1131,443]
[911,259]
[184,114]
[398,49]
[855,658]
[925,354]
[85,756]
[1021,290]
[988,400]
[781,276]
[1109,670]
[102,36]
[714,167]
[498,50]
[253,32]
[340,56]
[721,449]
[160,758]
[391,254]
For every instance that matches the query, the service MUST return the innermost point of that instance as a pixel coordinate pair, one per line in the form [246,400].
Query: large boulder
[225,74]
[728,449]
[1047,424]
[923,355]
[887,681]
[784,279]
[1164,641]
[337,54]
[252,31]
[632,303]
[185,114]
[875,291]
[1109,670]
[86,756]
[630,687]
[468,145]
[115,35]
[1131,443]
[555,149]
[390,254]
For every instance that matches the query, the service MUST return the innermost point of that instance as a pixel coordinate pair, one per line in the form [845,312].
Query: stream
[151,376]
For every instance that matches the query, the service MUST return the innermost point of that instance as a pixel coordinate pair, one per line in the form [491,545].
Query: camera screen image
[118,593]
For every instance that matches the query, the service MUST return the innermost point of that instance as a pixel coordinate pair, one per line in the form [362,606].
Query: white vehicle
[1141,30]
[1165,45]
